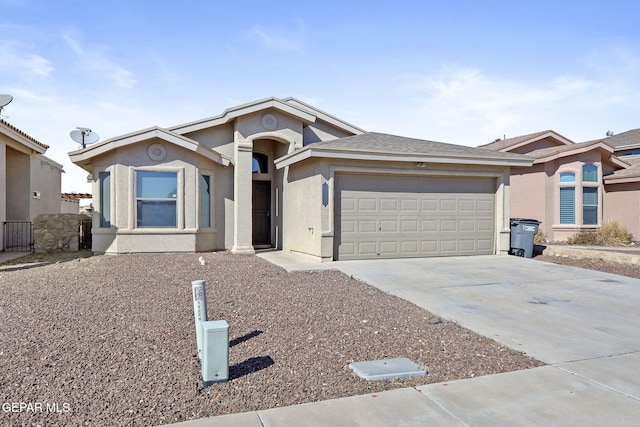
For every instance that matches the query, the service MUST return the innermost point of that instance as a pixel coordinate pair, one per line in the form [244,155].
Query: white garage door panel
[393,217]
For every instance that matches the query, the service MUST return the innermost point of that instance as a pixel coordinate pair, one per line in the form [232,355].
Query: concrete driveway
[584,324]
[552,312]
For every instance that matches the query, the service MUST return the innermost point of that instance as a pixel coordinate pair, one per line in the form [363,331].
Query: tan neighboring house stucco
[279,173]
[600,178]
[30,183]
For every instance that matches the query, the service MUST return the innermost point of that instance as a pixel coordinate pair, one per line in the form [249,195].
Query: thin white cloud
[276,41]
[455,101]
[96,61]
[73,44]
[18,59]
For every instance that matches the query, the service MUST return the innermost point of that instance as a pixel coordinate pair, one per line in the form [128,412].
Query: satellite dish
[84,136]
[4,101]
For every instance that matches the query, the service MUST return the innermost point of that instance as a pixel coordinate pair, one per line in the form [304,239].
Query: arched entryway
[266,194]
[261,201]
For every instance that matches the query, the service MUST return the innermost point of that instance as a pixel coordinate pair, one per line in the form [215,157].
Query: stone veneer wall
[56,232]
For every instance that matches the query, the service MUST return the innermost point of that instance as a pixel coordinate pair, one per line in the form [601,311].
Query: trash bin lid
[525,221]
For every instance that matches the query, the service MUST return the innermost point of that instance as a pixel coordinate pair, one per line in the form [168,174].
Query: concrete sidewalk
[9,256]
[584,324]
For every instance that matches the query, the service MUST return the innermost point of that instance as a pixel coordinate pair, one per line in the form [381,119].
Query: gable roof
[290,106]
[551,153]
[622,176]
[628,139]
[83,156]
[630,174]
[21,137]
[380,146]
[519,141]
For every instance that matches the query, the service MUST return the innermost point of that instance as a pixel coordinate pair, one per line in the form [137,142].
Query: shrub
[611,233]
[588,238]
[540,238]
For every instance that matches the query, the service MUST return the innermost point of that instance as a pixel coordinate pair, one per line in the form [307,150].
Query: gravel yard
[110,340]
[629,270]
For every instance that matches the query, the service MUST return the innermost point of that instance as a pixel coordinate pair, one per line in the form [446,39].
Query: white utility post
[212,339]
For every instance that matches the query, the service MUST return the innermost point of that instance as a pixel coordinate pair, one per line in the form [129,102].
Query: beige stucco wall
[3,186]
[69,206]
[218,138]
[302,211]
[320,131]
[528,191]
[18,185]
[310,224]
[46,182]
[622,203]
[187,236]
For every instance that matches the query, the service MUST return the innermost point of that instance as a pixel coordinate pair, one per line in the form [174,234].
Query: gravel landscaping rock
[623,269]
[110,340]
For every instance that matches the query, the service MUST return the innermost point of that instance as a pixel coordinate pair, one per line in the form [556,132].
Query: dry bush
[611,233]
[585,238]
[540,238]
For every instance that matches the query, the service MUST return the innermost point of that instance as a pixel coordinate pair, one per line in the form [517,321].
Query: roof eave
[17,135]
[573,152]
[621,180]
[397,157]
[234,112]
[83,157]
[555,135]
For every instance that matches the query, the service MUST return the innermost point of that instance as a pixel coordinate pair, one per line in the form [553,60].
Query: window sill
[560,227]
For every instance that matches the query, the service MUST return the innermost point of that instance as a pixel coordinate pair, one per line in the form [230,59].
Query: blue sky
[464,72]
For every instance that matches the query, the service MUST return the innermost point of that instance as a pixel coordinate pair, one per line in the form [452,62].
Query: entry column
[242,208]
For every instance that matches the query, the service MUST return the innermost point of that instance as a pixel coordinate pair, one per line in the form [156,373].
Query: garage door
[381,216]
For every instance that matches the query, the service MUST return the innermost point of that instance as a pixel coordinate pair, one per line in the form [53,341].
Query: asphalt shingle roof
[383,143]
[506,143]
[550,151]
[629,137]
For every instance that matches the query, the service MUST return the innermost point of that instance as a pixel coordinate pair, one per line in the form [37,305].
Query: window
[205,201]
[589,173]
[572,192]
[567,205]
[260,163]
[156,195]
[590,194]
[567,177]
[590,205]
[105,199]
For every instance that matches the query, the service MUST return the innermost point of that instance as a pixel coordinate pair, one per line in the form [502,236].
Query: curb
[593,254]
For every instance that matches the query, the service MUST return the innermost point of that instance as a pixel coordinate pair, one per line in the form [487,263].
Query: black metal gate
[18,236]
[85,234]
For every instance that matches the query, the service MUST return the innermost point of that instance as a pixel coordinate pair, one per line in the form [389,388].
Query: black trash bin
[522,233]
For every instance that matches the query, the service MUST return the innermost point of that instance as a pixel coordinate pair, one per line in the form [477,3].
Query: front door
[261,213]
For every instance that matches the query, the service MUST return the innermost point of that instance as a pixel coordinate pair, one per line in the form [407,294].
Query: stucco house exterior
[279,173]
[573,187]
[30,182]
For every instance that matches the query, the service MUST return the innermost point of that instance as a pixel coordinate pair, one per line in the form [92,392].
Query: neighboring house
[279,173]
[622,187]
[30,182]
[573,187]
[77,203]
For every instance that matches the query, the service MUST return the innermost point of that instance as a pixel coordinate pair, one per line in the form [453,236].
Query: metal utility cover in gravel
[387,369]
